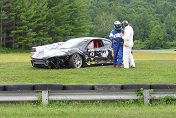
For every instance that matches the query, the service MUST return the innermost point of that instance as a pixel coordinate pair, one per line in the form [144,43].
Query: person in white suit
[128,44]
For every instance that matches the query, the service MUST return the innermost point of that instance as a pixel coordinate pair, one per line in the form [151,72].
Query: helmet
[125,23]
[117,25]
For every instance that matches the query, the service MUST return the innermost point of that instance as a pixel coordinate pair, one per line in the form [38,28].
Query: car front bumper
[39,62]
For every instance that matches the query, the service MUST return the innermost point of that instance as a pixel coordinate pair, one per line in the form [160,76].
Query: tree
[142,27]
[157,37]
[26,23]
[70,19]
[104,24]
[6,21]
[40,25]
[142,15]
[31,27]
[3,17]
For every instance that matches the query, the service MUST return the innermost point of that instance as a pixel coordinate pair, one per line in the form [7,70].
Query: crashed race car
[75,53]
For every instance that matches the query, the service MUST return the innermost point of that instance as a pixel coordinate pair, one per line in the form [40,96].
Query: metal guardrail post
[146,96]
[45,98]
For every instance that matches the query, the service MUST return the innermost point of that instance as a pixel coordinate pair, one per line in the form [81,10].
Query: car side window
[90,45]
[95,44]
[107,43]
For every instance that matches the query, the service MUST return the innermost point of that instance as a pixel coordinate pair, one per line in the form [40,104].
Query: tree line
[27,23]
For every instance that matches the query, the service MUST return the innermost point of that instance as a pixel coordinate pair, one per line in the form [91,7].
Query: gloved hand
[112,52]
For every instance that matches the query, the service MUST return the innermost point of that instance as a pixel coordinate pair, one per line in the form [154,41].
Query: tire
[75,61]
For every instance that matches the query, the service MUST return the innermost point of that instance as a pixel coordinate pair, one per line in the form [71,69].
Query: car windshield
[73,43]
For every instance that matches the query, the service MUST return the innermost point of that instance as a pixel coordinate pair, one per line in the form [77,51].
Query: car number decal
[92,54]
[104,54]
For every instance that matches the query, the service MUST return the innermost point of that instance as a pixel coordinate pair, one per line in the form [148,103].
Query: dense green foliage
[152,20]
[26,23]
[38,22]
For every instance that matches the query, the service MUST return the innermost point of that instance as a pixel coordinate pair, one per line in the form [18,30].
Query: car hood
[47,53]
[48,46]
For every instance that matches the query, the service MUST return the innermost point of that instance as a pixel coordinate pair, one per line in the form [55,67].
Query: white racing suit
[127,47]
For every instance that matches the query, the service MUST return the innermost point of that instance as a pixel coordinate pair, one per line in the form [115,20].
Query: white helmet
[117,25]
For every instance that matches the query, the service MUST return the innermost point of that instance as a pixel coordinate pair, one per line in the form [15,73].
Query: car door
[98,53]
[107,51]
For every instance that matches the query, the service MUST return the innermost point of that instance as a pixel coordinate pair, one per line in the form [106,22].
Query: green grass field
[86,110]
[152,67]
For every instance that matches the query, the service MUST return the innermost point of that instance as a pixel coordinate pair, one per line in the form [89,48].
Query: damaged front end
[53,58]
[51,63]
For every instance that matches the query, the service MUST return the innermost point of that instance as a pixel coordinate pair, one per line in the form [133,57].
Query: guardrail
[58,92]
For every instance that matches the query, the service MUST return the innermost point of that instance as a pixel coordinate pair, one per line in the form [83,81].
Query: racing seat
[96,45]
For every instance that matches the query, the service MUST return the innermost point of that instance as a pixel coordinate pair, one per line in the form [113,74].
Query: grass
[6,50]
[146,72]
[86,110]
[153,67]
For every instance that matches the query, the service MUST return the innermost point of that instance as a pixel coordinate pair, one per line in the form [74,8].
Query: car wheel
[75,61]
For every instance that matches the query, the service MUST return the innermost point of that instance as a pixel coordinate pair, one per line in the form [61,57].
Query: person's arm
[126,35]
[111,36]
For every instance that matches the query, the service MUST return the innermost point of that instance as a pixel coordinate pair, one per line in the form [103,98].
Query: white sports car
[74,53]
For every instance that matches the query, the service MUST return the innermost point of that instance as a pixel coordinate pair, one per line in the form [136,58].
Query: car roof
[89,38]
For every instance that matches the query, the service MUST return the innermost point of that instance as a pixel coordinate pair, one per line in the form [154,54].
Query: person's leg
[120,56]
[132,63]
[115,55]
[126,57]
